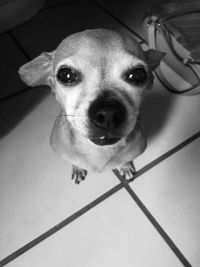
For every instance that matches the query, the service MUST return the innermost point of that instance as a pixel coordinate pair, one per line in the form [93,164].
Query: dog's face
[99,78]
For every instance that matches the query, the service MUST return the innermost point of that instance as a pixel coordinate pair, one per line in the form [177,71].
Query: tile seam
[143,208]
[59,226]
[106,11]
[27,56]
[139,173]
[154,222]
[94,203]
[18,45]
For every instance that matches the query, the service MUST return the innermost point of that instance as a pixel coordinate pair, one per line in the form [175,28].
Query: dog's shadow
[155,111]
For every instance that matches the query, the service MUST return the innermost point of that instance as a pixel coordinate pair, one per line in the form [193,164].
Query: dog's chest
[82,152]
[90,156]
[78,150]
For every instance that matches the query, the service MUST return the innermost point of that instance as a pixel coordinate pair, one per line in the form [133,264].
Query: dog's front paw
[128,171]
[78,174]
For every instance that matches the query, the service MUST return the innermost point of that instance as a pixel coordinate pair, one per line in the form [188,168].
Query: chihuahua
[99,77]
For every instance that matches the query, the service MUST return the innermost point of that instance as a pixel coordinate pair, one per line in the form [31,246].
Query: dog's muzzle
[107,115]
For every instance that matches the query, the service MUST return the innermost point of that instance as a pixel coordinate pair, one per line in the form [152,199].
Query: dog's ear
[38,71]
[153,58]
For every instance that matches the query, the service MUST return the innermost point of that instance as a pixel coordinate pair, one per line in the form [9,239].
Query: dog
[99,77]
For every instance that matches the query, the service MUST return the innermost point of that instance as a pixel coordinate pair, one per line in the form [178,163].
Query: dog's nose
[107,114]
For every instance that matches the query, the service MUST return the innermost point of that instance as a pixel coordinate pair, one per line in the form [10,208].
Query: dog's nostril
[105,119]
[100,117]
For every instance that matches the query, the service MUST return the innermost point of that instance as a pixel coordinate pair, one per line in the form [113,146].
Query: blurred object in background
[174,27]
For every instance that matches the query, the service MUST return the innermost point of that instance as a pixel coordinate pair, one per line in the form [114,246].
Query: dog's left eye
[136,76]
[68,76]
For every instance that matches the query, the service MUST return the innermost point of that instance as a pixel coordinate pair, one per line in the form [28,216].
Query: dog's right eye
[136,76]
[68,76]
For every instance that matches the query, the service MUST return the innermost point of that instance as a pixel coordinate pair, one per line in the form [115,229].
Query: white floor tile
[115,233]
[171,191]
[168,120]
[36,191]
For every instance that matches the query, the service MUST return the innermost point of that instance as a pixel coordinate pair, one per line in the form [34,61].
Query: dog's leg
[127,171]
[78,174]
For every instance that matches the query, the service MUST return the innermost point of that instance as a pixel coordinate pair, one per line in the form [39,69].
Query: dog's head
[98,77]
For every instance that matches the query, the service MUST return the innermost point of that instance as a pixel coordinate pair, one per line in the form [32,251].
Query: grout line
[143,208]
[25,53]
[154,222]
[59,226]
[167,154]
[157,226]
[100,199]
[142,40]
[25,90]
[17,43]
[113,190]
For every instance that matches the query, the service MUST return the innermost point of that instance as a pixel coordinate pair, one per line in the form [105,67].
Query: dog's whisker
[101,109]
[71,115]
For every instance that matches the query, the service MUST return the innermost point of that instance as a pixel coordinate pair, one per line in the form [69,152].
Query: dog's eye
[136,76]
[68,76]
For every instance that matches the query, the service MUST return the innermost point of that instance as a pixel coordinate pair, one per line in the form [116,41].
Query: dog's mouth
[105,140]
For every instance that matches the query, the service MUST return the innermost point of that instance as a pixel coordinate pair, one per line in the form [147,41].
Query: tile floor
[47,220]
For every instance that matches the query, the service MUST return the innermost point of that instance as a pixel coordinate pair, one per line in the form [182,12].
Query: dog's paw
[78,174]
[128,171]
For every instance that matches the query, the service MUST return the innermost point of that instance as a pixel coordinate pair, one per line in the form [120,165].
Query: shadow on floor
[15,109]
[155,111]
